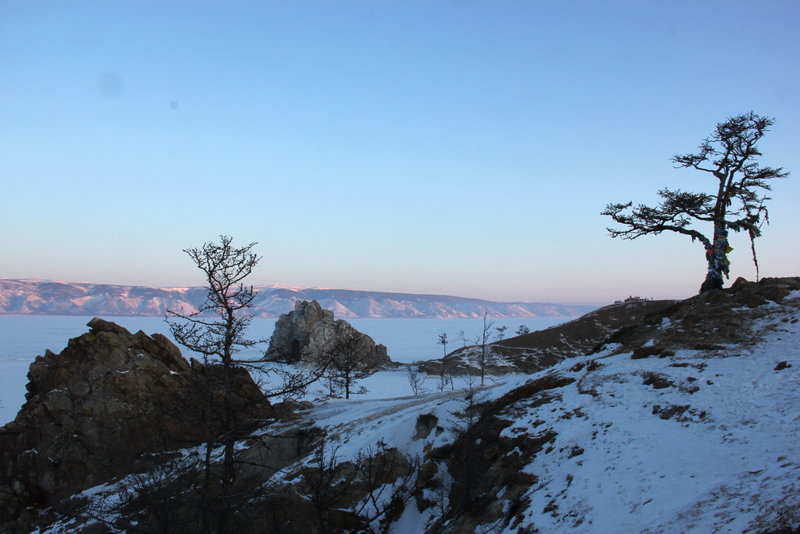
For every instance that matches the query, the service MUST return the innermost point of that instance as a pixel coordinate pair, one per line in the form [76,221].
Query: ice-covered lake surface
[22,338]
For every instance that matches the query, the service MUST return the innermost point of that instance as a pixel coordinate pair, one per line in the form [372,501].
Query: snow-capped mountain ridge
[45,297]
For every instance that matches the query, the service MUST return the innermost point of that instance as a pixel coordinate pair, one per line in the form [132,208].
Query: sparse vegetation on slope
[534,351]
[682,421]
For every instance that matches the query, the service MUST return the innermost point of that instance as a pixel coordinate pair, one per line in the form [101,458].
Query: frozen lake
[22,338]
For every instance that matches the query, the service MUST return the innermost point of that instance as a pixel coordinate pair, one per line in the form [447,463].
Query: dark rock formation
[309,333]
[104,407]
[426,422]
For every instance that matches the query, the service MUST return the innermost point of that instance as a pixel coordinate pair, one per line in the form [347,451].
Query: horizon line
[300,288]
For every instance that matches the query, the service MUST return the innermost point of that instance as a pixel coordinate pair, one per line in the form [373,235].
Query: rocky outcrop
[708,321]
[104,406]
[309,333]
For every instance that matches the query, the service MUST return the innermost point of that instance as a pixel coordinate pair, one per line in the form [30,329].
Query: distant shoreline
[43,298]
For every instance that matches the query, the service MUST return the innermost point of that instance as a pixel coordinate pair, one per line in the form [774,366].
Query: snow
[727,462]
[730,462]
[715,450]
[409,521]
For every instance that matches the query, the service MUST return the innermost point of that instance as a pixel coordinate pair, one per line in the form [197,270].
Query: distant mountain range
[41,297]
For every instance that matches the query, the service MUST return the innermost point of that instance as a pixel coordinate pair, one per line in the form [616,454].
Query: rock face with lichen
[106,406]
[309,333]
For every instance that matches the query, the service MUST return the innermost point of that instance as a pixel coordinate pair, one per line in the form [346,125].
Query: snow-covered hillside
[684,422]
[701,440]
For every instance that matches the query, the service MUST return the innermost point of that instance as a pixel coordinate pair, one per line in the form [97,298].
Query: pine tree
[738,203]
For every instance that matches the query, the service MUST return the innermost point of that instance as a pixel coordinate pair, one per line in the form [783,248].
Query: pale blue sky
[455,147]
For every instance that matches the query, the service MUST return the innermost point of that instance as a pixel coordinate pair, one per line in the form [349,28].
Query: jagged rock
[310,332]
[104,406]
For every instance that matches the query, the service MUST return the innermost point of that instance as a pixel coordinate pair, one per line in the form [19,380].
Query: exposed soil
[541,349]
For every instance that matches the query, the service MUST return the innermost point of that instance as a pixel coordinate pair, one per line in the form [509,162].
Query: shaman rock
[309,334]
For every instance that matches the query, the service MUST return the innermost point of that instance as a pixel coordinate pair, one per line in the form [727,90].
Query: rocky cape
[109,404]
[39,297]
[682,420]
[309,334]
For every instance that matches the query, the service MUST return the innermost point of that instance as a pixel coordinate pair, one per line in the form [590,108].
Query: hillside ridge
[682,420]
[45,297]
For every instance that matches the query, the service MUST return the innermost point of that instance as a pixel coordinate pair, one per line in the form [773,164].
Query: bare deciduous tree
[383,477]
[484,355]
[389,478]
[416,379]
[464,427]
[463,336]
[217,330]
[347,365]
[501,332]
[445,376]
